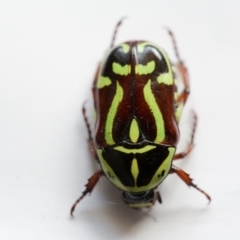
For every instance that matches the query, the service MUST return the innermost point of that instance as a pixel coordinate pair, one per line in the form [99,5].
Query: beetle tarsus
[189,181]
[92,181]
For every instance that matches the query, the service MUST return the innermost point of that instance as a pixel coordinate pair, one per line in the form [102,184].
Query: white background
[48,54]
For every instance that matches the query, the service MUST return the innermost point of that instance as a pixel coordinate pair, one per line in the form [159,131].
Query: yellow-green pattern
[135,170]
[125,47]
[103,82]
[134,131]
[121,70]
[157,178]
[145,69]
[140,205]
[165,78]
[150,99]
[141,46]
[112,113]
[133,150]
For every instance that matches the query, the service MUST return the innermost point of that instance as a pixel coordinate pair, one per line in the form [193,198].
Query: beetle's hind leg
[190,146]
[92,181]
[185,177]
[90,138]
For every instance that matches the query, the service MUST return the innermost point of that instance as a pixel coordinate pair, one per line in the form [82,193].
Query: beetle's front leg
[92,181]
[190,146]
[182,98]
[185,177]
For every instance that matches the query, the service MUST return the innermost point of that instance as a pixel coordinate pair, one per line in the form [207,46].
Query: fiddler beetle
[138,109]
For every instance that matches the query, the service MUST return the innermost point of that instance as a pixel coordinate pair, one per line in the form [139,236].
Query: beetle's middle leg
[190,146]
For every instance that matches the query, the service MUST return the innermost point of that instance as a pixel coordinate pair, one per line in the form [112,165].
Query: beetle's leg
[182,98]
[158,197]
[185,177]
[90,139]
[115,31]
[174,42]
[190,146]
[92,181]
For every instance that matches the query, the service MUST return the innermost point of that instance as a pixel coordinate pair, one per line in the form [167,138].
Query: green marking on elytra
[150,99]
[170,77]
[112,113]
[178,112]
[145,69]
[141,46]
[121,70]
[134,151]
[135,170]
[155,181]
[165,78]
[103,81]
[125,47]
[134,131]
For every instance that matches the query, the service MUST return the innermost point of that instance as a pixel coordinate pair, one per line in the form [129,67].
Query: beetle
[138,109]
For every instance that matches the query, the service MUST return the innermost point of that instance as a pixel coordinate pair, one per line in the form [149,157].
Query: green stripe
[135,170]
[150,99]
[103,81]
[140,205]
[134,151]
[165,78]
[141,46]
[121,70]
[112,113]
[125,47]
[134,131]
[168,79]
[145,69]
[155,181]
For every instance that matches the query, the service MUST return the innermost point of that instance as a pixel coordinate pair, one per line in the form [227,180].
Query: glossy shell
[135,82]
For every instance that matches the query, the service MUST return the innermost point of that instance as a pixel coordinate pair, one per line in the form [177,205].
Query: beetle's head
[139,200]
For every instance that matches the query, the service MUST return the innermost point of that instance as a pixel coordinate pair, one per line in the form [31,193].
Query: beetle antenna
[116,30]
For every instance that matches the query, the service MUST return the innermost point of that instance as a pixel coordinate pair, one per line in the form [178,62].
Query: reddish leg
[185,177]
[90,139]
[182,98]
[191,144]
[89,187]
